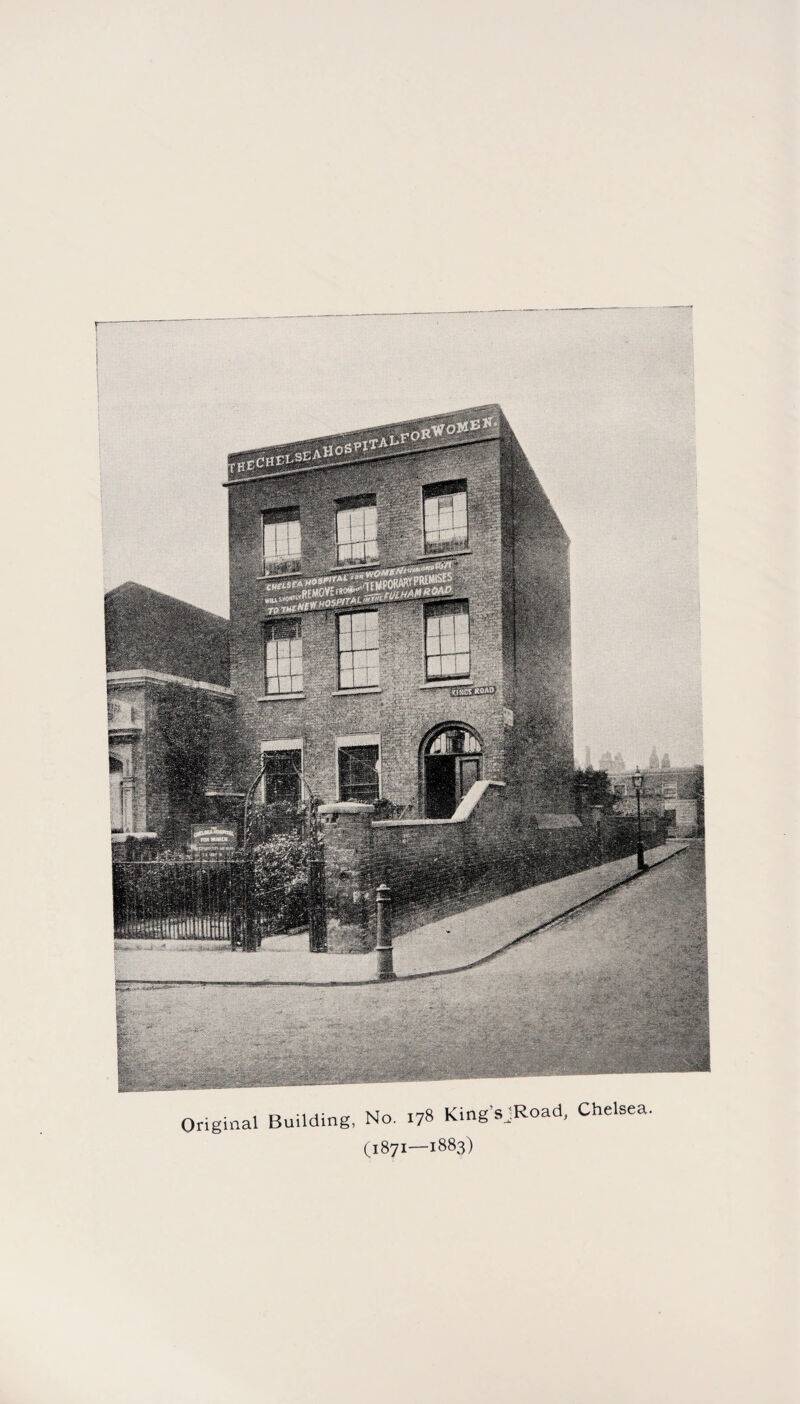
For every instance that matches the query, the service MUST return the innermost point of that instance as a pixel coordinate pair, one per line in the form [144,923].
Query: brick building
[170,712]
[400,618]
[674,793]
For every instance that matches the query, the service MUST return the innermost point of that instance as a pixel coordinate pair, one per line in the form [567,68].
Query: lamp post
[637,785]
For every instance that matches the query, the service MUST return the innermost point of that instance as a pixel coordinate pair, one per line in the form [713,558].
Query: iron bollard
[383,917]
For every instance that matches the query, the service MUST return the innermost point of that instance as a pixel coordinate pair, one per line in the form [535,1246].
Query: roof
[146,591]
[148,629]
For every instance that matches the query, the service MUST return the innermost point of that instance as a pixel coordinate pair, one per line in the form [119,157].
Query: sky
[602,402]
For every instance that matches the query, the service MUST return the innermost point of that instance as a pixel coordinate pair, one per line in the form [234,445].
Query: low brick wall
[436,867]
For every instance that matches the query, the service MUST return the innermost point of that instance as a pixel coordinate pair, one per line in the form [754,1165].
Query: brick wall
[349,876]
[537,641]
[435,868]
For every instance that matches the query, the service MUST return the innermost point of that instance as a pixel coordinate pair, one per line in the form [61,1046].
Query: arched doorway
[451,762]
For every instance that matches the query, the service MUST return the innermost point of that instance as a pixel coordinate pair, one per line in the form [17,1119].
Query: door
[452,764]
[469,770]
[440,786]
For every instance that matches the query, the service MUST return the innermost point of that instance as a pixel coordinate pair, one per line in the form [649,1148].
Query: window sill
[282,697]
[281,575]
[446,682]
[439,555]
[355,691]
[354,565]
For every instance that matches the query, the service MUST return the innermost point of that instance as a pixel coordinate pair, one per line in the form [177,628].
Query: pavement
[456,942]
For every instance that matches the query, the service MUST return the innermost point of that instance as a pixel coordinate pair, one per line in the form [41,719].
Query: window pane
[282,783]
[283,656]
[358,649]
[447,640]
[356,532]
[281,536]
[358,774]
[445,516]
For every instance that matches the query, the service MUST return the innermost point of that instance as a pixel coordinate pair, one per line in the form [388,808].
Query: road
[619,987]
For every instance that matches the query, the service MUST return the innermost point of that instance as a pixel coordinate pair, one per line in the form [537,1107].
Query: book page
[257,231]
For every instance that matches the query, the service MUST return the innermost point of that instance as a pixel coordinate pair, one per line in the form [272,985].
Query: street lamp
[637,785]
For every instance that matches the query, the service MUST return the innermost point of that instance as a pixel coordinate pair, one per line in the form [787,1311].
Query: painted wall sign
[487,691]
[213,838]
[348,589]
[388,440]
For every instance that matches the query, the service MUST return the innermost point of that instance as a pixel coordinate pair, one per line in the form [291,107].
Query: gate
[197,899]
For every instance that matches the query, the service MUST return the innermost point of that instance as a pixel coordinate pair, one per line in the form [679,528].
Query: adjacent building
[400,619]
[673,793]
[170,712]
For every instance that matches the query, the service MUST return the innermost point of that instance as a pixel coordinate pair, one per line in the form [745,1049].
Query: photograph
[404,706]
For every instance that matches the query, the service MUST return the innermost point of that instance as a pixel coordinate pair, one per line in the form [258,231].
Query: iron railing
[207,899]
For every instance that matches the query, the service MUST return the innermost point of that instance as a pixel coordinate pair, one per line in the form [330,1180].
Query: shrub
[267,821]
[281,880]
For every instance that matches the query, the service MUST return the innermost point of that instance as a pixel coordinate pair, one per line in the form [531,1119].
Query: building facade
[400,619]
[170,712]
[672,793]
